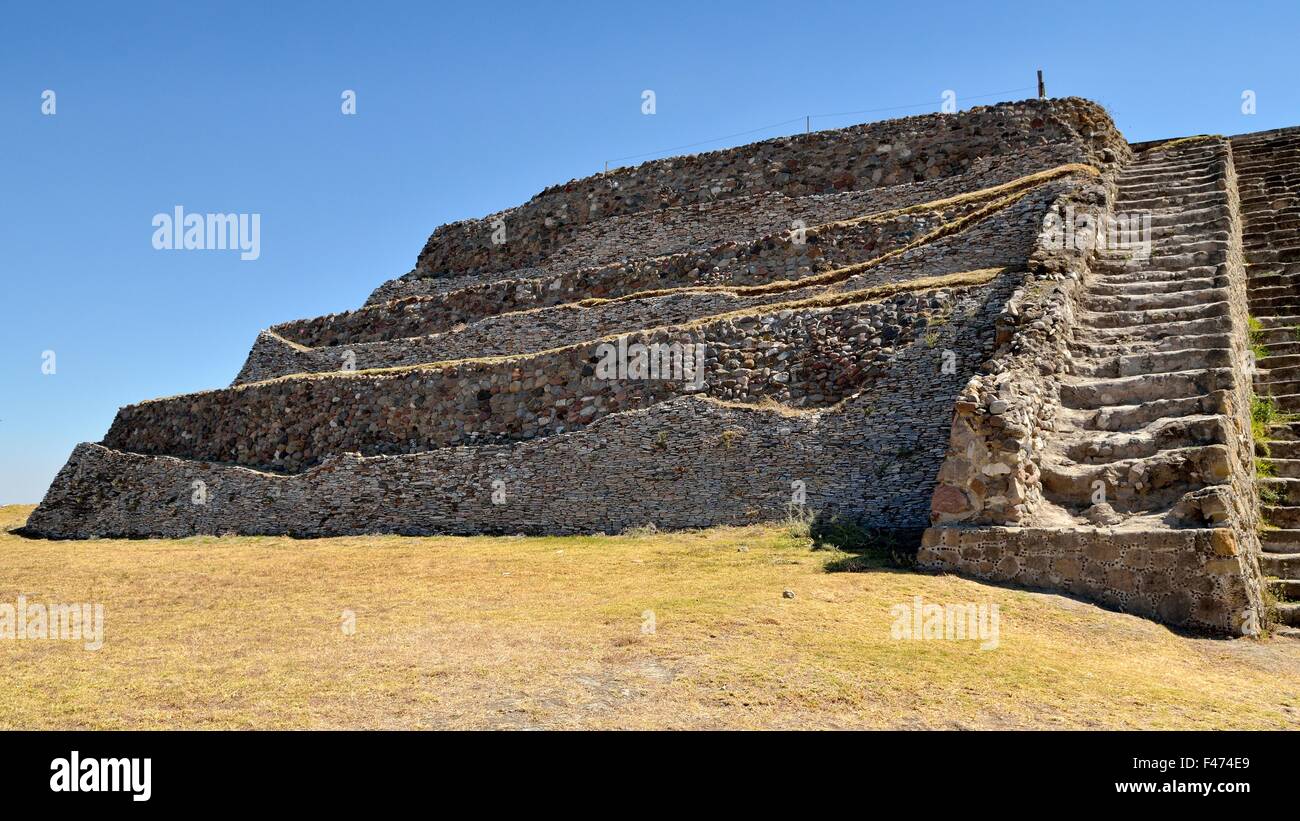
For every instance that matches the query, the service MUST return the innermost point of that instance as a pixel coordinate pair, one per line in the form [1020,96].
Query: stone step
[1096,448]
[1185,161]
[1279,541]
[1276,341]
[1216,253]
[1278,362]
[1131,319]
[1287,403]
[1284,254]
[1272,206]
[1164,154]
[1257,180]
[1283,516]
[1211,217]
[1196,183]
[1170,174]
[1092,394]
[1285,590]
[1259,220]
[1287,613]
[1280,565]
[1146,484]
[1273,276]
[1098,350]
[1270,192]
[1262,238]
[1286,468]
[1261,211]
[1173,247]
[1283,321]
[1156,330]
[1153,362]
[1252,169]
[1157,202]
[1286,490]
[1283,432]
[1263,148]
[1280,372]
[1264,156]
[1260,289]
[1276,269]
[1285,306]
[1166,286]
[1139,415]
[1269,223]
[1271,284]
[1138,275]
[1166,173]
[1259,170]
[1183,237]
[1277,387]
[1151,302]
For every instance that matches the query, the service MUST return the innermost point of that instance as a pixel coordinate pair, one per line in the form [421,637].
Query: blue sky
[460,112]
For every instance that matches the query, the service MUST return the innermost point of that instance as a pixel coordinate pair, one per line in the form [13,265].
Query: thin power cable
[807,118]
[710,140]
[920,105]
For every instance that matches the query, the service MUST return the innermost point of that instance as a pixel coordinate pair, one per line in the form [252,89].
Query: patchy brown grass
[547,632]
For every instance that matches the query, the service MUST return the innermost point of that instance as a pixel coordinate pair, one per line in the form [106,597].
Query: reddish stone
[948,499]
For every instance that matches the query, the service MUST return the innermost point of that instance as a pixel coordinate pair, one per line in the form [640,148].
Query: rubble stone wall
[689,461]
[811,357]
[374,336]
[887,153]
[700,226]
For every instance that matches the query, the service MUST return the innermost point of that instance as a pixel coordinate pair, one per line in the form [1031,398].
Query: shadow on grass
[870,548]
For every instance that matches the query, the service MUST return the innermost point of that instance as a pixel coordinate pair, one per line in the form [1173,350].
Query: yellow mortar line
[1020,188]
[297,346]
[876,293]
[979,276]
[827,277]
[1025,182]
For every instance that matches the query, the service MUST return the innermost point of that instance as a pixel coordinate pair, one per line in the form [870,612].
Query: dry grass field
[548,633]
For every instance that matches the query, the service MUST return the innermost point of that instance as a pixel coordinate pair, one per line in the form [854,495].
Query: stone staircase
[880,326]
[832,293]
[1268,168]
[1143,434]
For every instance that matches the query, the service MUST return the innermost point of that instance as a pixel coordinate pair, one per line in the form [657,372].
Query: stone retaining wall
[686,462]
[1005,414]
[1001,240]
[1190,577]
[809,358]
[887,153]
[775,257]
[700,226]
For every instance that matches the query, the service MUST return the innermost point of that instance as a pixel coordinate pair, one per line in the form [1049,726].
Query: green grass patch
[1256,334]
[1263,415]
[1268,496]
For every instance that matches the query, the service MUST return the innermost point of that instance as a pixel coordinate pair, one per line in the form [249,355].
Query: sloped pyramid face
[895,324]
